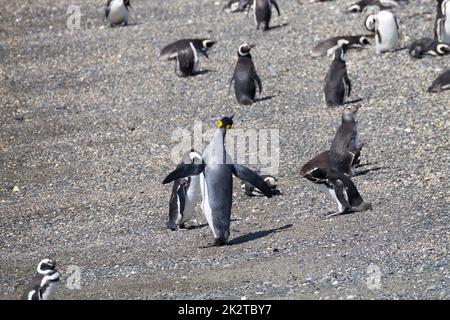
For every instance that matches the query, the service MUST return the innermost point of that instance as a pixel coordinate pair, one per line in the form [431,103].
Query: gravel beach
[87,116]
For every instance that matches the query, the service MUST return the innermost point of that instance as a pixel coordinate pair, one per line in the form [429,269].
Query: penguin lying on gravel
[186,52]
[362,5]
[117,12]
[237,6]
[426,46]
[184,194]
[216,180]
[441,83]
[44,283]
[251,191]
[329,46]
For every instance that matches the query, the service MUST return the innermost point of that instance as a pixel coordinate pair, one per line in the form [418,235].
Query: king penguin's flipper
[251,177]
[184,171]
[275,4]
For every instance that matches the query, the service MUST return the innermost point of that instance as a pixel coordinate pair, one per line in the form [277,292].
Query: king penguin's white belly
[118,12]
[206,208]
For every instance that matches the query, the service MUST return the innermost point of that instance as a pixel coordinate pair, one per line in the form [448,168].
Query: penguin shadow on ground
[281,25]
[265,98]
[366,171]
[257,235]
[200,72]
[353,101]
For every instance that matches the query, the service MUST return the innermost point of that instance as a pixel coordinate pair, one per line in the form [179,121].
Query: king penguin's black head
[225,122]
[244,50]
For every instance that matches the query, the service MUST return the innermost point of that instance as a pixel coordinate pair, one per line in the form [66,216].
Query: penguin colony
[210,174]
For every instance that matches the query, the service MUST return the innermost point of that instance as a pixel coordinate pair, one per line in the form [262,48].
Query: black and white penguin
[337,84]
[237,6]
[442,22]
[329,46]
[441,83]
[251,191]
[323,160]
[186,53]
[216,180]
[386,28]
[427,46]
[245,77]
[362,5]
[117,12]
[184,196]
[263,13]
[44,283]
[346,143]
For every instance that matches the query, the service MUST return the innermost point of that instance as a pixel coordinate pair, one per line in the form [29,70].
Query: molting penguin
[271,182]
[184,194]
[44,283]
[442,23]
[263,13]
[426,46]
[329,46]
[117,12]
[245,77]
[441,83]
[216,180]
[346,145]
[337,84]
[186,52]
[386,28]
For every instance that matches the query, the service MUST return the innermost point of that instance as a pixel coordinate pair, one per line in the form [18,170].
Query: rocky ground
[87,117]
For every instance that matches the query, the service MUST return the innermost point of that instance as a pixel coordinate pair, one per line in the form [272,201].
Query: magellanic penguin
[427,46]
[271,182]
[328,46]
[245,77]
[237,6]
[184,196]
[386,28]
[44,283]
[216,180]
[362,5]
[117,12]
[346,143]
[337,84]
[441,83]
[442,23]
[186,53]
[263,13]
[323,160]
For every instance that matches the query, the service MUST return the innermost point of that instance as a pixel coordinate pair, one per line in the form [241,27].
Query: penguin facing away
[263,13]
[442,22]
[337,85]
[245,77]
[216,182]
[44,283]
[117,12]
[386,28]
[184,195]
[427,46]
[441,83]
[346,145]
[329,46]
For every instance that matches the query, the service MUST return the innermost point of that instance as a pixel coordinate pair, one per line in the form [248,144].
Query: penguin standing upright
[245,77]
[441,83]
[386,28]
[346,144]
[263,13]
[117,12]
[216,180]
[44,283]
[186,53]
[184,194]
[442,23]
[337,84]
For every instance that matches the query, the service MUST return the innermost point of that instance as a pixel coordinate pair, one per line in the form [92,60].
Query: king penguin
[442,23]
[117,12]
[337,84]
[216,180]
[386,28]
[263,13]
[186,53]
[184,194]
[441,83]
[346,143]
[44,283]
[245,77]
